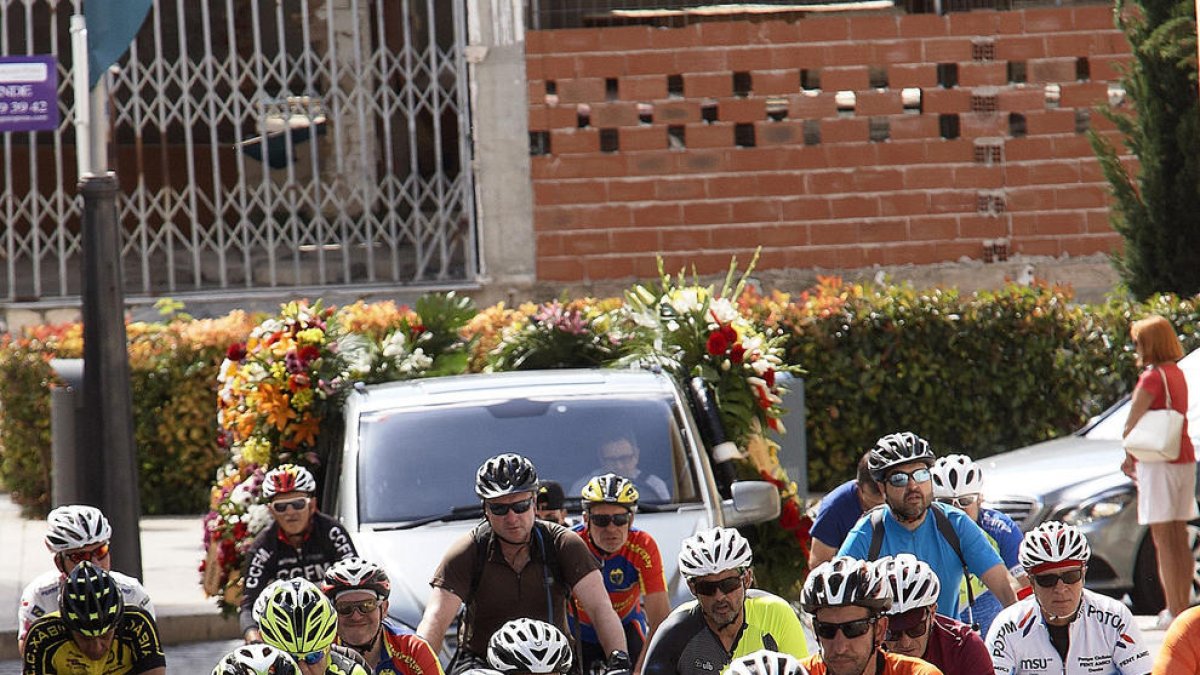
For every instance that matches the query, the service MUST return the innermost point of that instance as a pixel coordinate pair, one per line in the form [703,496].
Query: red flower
[769,377]
[236,351]
[789,518]
[417,329]
[298,382]
[737,353]
[240,531]
[717,344]
[729,332]
[309,353]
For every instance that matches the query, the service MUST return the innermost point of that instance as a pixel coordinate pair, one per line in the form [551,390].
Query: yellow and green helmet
[610,489]
[298,618]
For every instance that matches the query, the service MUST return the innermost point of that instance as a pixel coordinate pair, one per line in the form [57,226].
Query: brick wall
[709,140]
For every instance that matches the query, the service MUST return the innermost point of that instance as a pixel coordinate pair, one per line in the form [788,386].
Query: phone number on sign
[24,107]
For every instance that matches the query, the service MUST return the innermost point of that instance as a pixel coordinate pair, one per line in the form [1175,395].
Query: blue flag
[111,26]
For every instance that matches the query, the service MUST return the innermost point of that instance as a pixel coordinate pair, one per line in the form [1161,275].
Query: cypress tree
[1156,205]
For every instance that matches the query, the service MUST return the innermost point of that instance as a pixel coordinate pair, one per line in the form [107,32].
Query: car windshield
[1112,426]
[421,463]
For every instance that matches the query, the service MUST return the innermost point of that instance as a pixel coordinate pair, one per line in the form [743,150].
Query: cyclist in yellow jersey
[299,620]
[93,633]
[728,619]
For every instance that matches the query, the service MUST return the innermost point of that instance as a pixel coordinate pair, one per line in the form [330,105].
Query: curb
[172,630]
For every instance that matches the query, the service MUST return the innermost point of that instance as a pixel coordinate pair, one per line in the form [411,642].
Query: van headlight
[1104,506]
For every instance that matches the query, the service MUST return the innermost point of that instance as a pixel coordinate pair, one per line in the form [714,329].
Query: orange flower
[273,404]
[303,432]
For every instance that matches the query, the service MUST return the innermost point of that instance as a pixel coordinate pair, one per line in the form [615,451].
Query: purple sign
[28,93]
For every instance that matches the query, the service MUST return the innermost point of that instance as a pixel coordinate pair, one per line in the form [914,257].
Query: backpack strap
[951,536]
[876,515]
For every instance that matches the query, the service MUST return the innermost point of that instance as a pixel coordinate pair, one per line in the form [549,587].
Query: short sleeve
[453,573]
[648,560]
[1130,655]
[575,560]
[979,554]
[1180,652]
[1152,383]
[995,643]
[858,542]
[786,629]
[43,637]
[144,641]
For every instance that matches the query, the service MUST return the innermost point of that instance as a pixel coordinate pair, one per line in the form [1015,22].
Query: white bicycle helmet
[356,574]
[910,581]
[712,551]
[260,603]
[845,581]
[76,526]
[896,449]
[1053,544]
[766,662]
[505,474]
[258,659]
[287,478]
[529,646]
[955,476]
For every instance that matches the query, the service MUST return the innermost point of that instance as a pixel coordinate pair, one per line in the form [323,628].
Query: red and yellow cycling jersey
[630,573]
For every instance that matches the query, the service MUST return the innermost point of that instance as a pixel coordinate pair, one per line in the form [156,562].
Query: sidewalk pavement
[171,555]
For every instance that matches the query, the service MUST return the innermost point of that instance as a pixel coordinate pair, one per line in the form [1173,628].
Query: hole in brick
[612,90]
[947,75]
[983,50]
[777,109]
[983,203]
[539,143]
[743,135]
[846,101]
[1017,72]
[1083,120]
[675,86]
[948,126]
[880,129]
[645,113]
[911,98]
[1053,95]
[743,84]
[877,77]
[812,132]
[1083,69]
[551,88]
[676,137]
[988,151]
[609,140]
[1016,125]
[984,102]
[709,111]
[583,115]
[810,79]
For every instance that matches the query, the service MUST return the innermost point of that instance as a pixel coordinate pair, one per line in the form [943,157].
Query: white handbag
[1156,436]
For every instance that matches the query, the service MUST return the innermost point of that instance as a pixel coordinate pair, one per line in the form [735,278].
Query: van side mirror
[754,501]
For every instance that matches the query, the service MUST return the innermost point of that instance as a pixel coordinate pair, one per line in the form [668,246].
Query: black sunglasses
[619,519]
[362,607]
[916,631]
[1051,580]
[900,478]
[282,506]
[726,586]
[851,629]
[516,507]
[959,502]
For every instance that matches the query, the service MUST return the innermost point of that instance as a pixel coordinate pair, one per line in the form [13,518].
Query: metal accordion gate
[261,145]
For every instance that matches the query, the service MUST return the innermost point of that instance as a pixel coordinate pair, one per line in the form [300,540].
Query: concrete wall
[844,202]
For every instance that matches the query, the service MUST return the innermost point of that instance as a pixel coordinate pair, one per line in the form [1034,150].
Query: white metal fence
[260,144]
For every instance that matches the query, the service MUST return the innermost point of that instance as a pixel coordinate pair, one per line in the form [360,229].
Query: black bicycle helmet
[505,474]
[896,449]
[90,601]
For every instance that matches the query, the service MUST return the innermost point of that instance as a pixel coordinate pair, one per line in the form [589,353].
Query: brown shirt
[502,593]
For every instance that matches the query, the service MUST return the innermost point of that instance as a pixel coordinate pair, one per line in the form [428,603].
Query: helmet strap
[369,644]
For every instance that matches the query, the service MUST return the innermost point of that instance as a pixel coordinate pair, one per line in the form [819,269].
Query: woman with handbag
[1163,468]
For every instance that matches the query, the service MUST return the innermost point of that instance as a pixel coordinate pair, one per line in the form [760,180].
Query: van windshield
[417,464]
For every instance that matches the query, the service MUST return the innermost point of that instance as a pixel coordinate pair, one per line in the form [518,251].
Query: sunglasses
[900,478]
[362,607]
[959,502]
[851,629]
[296,504]
[99,553]
[516,507]
[1051,580]
[311,658]
[915,631]
[619,519]
[619,459]
[726,586]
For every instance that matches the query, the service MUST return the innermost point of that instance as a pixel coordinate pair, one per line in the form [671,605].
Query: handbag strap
[1166,385]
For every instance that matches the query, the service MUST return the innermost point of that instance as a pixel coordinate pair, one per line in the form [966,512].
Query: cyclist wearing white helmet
[256,660]
[847,599]
[75,533]
[767,662]
[302,542]
[1064,628]
[910,522]
[958,482]
[513,565]
[728,619]
[530,646]
[916,629]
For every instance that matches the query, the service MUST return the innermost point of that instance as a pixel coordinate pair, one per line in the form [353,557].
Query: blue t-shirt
[927,544]
[836,514]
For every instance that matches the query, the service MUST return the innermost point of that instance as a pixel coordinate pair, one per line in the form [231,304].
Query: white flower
[687,300]
[257,518]
[724,311]
[241,495]
[254,372]
[393,346]
[266,328]
[358,355]
[415,362]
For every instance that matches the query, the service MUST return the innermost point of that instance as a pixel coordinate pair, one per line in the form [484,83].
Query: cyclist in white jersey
[1063,628]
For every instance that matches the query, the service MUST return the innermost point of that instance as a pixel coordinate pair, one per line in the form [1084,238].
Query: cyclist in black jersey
[300,543]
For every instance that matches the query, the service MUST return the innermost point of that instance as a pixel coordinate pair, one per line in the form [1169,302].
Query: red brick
[874,27]
[932,229]
[779,133]
[1093,17]
[1024,149]
[1041,122]
[832,234]
[829,182]
[743,109]
[1021,99]
[676,112]
[896,51]
[686,239]
[806,208]
[1075,145]
[609,267]
[632,240]
[643,138]
[851,154]
[622,114]
[853,78]
[1034,198]
[912,75]
[901,152]
[778,32]
[601,65]
[581,90]
[571,41]
[623,39]
[918,177]
[1053,173]
[954,250]
[574,141]
[876,231]
[538,119]
[657,215]
[878,179]
[1089,245]
[1020,47]
[981,177]
[977,74]
[631,190]
[1037,246]
[553,218]
[950,50]
[1111,42]
[708,213]
[922,25]
[750,58]
[749,159]
[737,236]
[940,101]
[703,160]
[557,66]
[756,211]
[1090,171]
[715,135]
[952,200]
[712,85]
[676,38]
[1069,44]
[944,150]
[824,28]
[723,33]
[649,163]
[1098,221]
[643,87]
[794,57]
[1084,94]
[977,125]
[731,186]
[779,236]
[904,204]
[1082,197]
[559,269]
[1049,20]
[844,54]
[651,63]
[673,190]
[775,82]
[602,216]
[845,130]
[1107,68]
[706,59]
[812,106]
[972,23]
[973,226]
[1051,70]
[584,243]
[854,206]
[885,102]
[1060,223]
[906,127]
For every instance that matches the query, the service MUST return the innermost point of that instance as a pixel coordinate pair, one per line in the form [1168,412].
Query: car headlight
[1104,506]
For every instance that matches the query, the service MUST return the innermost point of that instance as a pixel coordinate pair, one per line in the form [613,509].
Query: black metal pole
[108,407]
